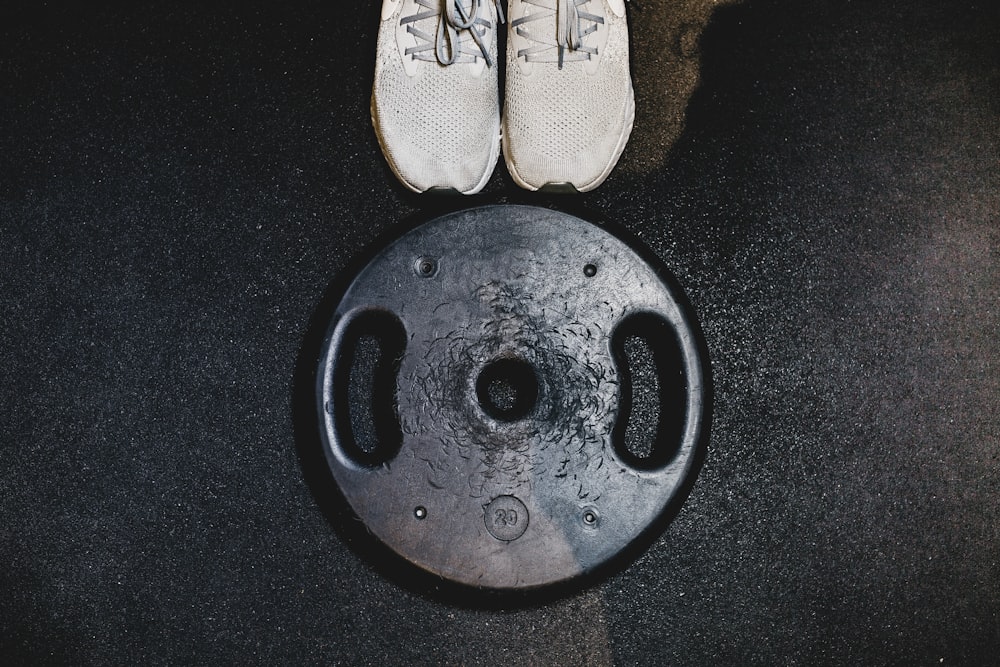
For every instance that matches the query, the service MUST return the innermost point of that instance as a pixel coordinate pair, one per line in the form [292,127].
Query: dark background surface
[179,188]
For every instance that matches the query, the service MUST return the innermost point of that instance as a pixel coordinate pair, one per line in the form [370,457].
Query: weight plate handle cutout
[362,395]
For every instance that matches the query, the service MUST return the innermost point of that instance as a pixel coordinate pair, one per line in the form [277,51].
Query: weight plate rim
[640,541]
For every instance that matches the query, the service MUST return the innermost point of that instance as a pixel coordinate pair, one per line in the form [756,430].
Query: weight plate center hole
[507,389]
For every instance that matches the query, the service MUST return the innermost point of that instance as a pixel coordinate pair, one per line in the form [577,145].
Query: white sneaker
[435,102]
[569,103]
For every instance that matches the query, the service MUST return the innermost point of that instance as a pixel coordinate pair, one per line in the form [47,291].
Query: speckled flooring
[181,186]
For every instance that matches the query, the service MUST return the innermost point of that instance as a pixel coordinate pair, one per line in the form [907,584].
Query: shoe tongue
[449,8]
[452,6]
[567,24]
[448,23]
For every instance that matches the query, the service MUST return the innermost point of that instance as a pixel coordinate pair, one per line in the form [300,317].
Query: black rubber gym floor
[181,186]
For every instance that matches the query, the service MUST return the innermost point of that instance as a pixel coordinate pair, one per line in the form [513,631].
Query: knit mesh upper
[563,124]
[439,127]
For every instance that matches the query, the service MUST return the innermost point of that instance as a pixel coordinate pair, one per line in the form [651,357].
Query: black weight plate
[497,452]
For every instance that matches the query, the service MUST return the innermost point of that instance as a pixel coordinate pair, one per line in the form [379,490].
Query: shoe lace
[567,44]
[446,44]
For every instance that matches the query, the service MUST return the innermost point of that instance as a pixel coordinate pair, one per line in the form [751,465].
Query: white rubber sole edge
[586,187]
[490,167]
